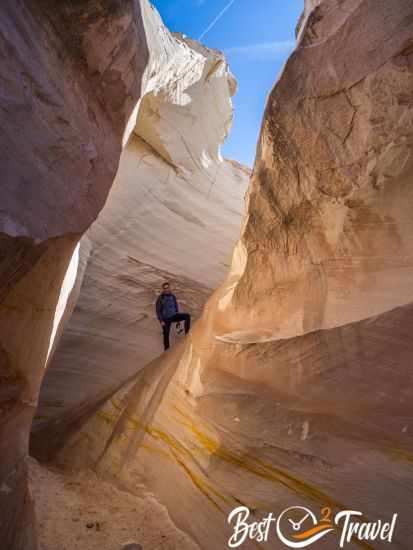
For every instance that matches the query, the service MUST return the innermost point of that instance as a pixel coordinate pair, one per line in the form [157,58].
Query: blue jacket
[166,306]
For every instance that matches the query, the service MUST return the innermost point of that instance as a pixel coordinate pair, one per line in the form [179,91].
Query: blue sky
[257,37]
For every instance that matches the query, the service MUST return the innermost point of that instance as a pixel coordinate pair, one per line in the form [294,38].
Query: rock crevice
[294,386]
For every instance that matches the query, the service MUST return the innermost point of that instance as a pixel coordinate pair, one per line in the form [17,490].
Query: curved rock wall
[71,102]
[294,388]
[329,226]
[173,213]
[71,77]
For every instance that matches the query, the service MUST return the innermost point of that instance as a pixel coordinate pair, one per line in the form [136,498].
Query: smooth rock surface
[72,76]
[295,387]
[174,213]
[329,224]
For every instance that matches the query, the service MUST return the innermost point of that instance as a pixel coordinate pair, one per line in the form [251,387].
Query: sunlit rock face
[174,213]
[329,220]
[295,386]
[71,76]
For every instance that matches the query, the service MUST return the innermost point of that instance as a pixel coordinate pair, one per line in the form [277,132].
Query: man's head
[166,287]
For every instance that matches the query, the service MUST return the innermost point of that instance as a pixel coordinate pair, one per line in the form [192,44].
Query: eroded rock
[63,117]
[295,386]
[173,213]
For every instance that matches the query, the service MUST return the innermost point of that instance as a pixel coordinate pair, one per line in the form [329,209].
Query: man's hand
[162,323]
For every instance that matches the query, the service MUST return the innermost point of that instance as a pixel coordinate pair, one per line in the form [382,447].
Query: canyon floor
[78,511]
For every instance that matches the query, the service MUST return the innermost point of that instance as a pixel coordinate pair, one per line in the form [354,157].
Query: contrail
[217,18]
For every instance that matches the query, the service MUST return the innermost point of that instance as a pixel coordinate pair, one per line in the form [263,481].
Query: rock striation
[95,93]
[294,388]
[62,121]
[330,186]
[72,81]
[173,213]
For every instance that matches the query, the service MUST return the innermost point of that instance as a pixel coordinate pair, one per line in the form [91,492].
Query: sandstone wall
[174,213]
[73,80]
[295,387]
[329,226]
[71,77]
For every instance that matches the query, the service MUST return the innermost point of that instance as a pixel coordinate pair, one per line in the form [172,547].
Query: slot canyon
[294,386]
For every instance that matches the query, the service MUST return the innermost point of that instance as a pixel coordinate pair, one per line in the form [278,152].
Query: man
[167,312]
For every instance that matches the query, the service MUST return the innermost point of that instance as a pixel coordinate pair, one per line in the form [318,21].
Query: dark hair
[165,285]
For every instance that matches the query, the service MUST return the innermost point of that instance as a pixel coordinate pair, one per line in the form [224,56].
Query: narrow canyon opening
[293,389]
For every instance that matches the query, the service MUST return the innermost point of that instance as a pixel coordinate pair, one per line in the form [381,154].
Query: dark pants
[177,318]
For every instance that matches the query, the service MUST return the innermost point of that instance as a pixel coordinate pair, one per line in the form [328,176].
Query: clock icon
[298,527]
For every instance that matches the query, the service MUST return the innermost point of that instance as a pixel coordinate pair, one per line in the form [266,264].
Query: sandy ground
[77,511]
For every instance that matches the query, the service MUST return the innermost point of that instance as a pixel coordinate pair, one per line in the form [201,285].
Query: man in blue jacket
[167,312]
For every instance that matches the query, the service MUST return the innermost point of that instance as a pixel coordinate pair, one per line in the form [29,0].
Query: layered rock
[173,213]
[295,387]
[329,224]
[72,76]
